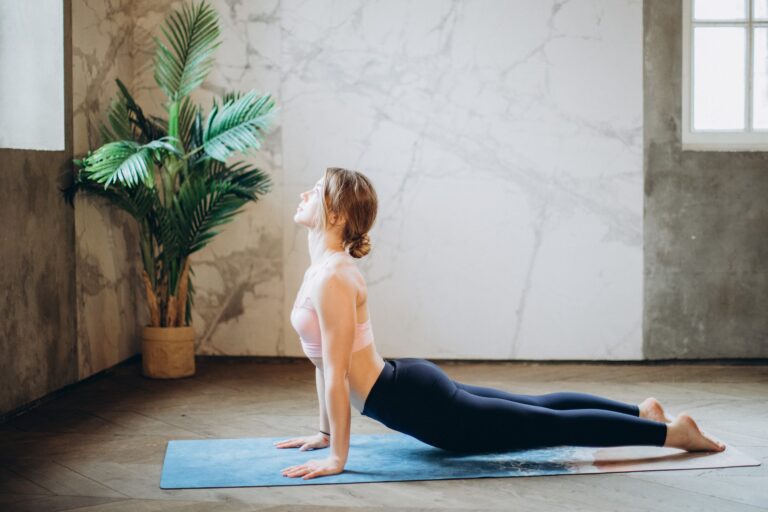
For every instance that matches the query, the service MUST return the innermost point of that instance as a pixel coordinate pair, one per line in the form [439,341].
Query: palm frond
[126,162]
[137,201]
[187,113]
[200,207]
[149,129]
[119,119]
[239,125]
[247,181]
[192,35]
[159,121]
[197,160]
[231,96]
[168,233]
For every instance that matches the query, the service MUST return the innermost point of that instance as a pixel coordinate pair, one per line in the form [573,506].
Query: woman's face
[310,205]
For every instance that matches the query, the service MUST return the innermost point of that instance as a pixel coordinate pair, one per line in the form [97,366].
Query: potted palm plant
[172,176]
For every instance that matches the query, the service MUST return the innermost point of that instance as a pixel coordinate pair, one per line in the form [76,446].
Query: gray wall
[38,352]
[706,222]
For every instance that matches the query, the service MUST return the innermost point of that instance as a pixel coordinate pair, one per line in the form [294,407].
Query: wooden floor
[99,446]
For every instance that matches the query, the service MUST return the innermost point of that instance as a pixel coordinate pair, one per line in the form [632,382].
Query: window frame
[720,140]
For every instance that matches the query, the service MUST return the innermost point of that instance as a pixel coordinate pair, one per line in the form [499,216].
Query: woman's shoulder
[343,271]
[340,270]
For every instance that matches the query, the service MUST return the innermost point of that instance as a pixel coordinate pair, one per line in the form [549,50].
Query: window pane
[760,84]
[761,9]
[718,78]
[719,9]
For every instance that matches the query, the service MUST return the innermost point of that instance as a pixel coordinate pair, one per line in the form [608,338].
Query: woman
[415,396]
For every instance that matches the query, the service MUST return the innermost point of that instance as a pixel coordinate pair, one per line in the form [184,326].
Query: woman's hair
[351,194]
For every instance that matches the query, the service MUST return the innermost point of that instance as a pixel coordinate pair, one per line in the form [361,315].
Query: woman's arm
[335,302]
[324,424]
[337,311]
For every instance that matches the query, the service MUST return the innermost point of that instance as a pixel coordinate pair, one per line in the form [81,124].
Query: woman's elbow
[336,378]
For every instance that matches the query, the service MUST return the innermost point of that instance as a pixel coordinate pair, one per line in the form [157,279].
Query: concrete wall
[38,350]
[706,222]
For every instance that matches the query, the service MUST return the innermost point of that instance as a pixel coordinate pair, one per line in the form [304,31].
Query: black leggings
[416,397]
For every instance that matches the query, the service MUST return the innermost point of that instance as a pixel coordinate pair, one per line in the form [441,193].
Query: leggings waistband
[374,405]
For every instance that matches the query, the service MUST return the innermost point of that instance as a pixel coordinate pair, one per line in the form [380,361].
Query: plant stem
[147,258]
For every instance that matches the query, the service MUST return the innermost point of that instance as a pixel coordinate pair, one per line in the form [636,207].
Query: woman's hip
[414,396]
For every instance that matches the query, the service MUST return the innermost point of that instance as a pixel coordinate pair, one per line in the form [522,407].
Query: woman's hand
[312,468]
[305,443]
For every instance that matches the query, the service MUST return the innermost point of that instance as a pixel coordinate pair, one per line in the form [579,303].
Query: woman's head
[344,202]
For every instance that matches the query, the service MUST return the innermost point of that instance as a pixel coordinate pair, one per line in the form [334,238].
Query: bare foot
[651,409]
[683,433]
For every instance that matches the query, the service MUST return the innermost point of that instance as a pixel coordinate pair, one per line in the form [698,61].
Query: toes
[716,443]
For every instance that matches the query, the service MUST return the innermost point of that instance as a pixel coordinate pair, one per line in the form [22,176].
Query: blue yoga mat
[255,462]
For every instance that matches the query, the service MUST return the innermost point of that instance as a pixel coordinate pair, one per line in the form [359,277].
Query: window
[725,75]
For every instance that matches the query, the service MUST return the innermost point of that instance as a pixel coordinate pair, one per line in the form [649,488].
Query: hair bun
[360,245]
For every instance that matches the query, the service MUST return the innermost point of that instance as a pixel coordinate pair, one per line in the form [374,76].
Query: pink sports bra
[304,319]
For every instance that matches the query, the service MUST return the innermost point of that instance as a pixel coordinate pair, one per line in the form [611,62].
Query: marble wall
[504,140]
[110,302]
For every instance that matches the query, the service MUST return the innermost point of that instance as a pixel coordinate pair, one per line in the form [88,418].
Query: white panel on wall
[505,142]
[32,75]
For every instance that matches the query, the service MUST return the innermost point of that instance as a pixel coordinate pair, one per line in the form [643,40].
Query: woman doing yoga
[415,396]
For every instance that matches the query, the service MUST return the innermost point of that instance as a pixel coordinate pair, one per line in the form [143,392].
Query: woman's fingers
[288,443]
[294,471]
[301,469]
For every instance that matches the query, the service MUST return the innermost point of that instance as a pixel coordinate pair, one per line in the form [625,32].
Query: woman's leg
[426,403]
[490,423]
[559,400]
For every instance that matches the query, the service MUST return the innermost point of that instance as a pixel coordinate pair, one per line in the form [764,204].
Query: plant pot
[168,352]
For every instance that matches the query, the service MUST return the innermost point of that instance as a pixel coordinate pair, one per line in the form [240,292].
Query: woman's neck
[322,247]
